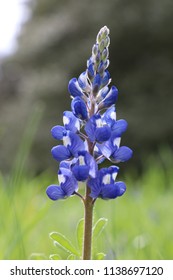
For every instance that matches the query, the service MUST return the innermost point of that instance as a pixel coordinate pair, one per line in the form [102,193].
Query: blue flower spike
[91,132]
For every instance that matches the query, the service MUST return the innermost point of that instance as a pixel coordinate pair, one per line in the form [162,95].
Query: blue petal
[71,122]
[110,116]
[96,82]
[74,88]
[66,164]
[93,167]
[81,172]
[82,80]
[57,132]
[90,129]
[106,148]
[60,152]
[55,192]
[77,144]
[119,127]
[121,188]
[106,78]
[95,187]
[91,70]
[79,108]
[102,133]
[111,97]
[122,154]
[102,93]
[69,184]
[113,190]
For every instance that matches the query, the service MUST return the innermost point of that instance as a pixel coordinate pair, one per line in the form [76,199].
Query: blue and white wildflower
[68,185]
[104,185]
[91,132]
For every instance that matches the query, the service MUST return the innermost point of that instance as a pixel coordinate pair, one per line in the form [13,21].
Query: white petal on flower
[117,141]
[99,122]
[61,178]
[66,120]
[106,179]
[77,125]
[66,141]
[113,116]
[96,149]
[96,108]
[81,160]
[114,175]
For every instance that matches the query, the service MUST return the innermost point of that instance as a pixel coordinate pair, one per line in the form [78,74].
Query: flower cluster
[91,133]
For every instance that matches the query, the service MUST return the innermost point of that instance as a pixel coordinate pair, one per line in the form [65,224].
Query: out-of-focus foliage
[53,48]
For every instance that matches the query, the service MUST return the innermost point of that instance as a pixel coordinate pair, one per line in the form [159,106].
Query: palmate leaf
[64,243]
[79,233]
[98,228]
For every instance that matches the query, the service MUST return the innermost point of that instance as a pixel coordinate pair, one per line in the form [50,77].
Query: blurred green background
[52,48]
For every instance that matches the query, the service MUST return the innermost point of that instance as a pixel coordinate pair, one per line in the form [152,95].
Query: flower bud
[110,98]
[95,49]
[105,54]
[74,88]
[79,109]
[101,45]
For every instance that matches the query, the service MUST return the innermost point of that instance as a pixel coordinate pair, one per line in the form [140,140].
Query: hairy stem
[88,203]
[88,218]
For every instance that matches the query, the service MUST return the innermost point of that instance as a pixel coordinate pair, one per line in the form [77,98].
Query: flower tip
[60,153]
[55,192]
[121,188]
[123,154]
[106,30]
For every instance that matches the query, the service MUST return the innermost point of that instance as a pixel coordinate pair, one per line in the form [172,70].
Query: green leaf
[55,257]
[79,233]
[100,256]
[71,257]
[63,242]
[98,228]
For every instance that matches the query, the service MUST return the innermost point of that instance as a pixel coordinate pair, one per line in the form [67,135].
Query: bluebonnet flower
[97,129]
[72,144]
[84,166]
[91,133]
[68,185]
[104,185]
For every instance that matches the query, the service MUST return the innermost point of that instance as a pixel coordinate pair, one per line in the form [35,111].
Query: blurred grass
[140,223]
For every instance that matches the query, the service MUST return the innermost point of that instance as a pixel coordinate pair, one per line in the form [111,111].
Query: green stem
[88,218]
